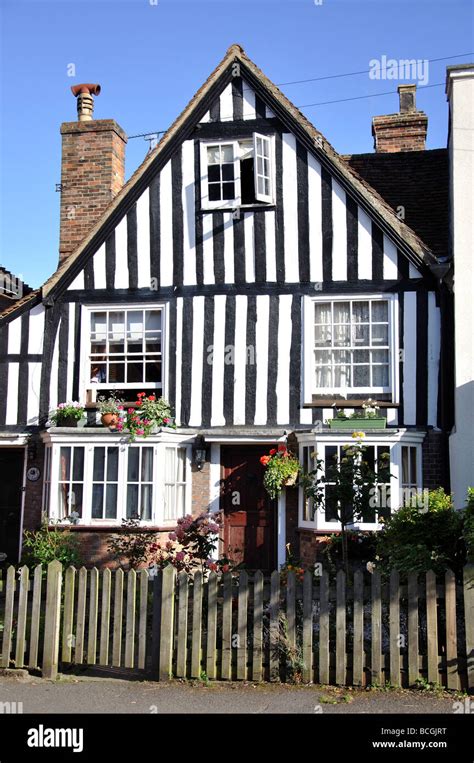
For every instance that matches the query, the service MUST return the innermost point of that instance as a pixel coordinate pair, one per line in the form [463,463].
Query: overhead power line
[363,71]
[338,100]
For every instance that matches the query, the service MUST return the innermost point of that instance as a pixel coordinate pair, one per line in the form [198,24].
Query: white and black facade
[251,279]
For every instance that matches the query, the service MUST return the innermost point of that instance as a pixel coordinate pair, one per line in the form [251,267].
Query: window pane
[132,502]
[361,334]
[379,356]
[360,312]
[214,191]
[361,376]
[330,509]
[379,311]
[342,313]
[152,345]
[78,464]
[97,501]
[323,313]
[98,373]
[112,464]
[405,468]
[76,498]
[342,336]
[213,155]
[116,325]
[133,460]
[322,335]
[135,324]
[330,455]
[146,500]
[64,463]
[181,459]
[153,320]
[379,334]
[413,466]
[361,356]
[99,465]
[153,372]
[341,356]
[180,510]
[322,357]
[63,493]
[98,326]
[323,376]
[369,456]
[170,464]
[227,172]
[227,153]
[134,372]
[111,502]
[214,173]
[147,464]
[380,376]
[116,372]
[342,376]
[228,191]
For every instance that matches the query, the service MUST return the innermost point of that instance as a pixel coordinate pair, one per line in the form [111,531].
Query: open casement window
[237,173]
[70,481]
[262,147]
[125,350]
[350,346]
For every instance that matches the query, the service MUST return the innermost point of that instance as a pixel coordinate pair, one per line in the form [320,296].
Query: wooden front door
[11,476]
[249,513]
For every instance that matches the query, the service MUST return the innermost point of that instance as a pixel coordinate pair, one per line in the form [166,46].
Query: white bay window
[92,483]
[395,459]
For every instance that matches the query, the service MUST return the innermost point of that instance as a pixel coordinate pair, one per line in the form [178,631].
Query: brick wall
[34,490]
[435,460]
[92,173]
[200,494]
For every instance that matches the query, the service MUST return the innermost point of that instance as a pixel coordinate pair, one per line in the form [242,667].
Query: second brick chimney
[405,131]
[92,169]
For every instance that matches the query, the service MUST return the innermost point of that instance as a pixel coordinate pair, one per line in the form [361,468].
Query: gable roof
[406,177]
[404,237]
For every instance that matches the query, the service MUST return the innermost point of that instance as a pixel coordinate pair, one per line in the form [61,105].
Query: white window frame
[95,387]
[395,441]
[237,201]
[309,366]
[173,485]
[267,198]
[158,443]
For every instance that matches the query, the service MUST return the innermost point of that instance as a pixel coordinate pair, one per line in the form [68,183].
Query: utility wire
[364,71]
[339,100]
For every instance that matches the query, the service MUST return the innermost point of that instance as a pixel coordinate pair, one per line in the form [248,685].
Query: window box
[357,425]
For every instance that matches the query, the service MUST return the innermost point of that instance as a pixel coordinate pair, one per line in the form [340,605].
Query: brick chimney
[405,131]
[92,169]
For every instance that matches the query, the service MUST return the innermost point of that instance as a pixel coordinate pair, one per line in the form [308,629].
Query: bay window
[98,483]
[396,464]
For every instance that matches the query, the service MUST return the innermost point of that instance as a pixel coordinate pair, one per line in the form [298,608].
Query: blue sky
[150,56]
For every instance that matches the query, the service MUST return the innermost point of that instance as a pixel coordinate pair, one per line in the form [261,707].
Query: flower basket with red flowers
[149,414]
[281,470]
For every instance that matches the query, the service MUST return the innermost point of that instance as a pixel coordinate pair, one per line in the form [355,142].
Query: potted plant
[67,414]
[281,470]
[110,409]
[368,418]
[149,414]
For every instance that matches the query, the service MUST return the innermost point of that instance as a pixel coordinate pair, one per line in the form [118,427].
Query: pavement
[89,694]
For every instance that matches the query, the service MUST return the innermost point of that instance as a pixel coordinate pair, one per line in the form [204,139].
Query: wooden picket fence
[241,626]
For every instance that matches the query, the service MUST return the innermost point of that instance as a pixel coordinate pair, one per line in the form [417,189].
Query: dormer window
[237,172]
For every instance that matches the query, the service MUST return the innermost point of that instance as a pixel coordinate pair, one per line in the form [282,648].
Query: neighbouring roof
[406,238]
[418,181]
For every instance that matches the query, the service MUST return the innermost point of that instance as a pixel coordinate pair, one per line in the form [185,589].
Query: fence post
[451,631]
[394,619]
[22,612]
[432,627]
[8,618]
[52,620]
[167,623]
[275,626]
[469,620]
[341,628]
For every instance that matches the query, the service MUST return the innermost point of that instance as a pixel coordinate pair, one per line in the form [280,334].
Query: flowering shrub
[292,564]
[360,548]
[72,410]
[280,465]
[150,412]
[191,544]
[370,410]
